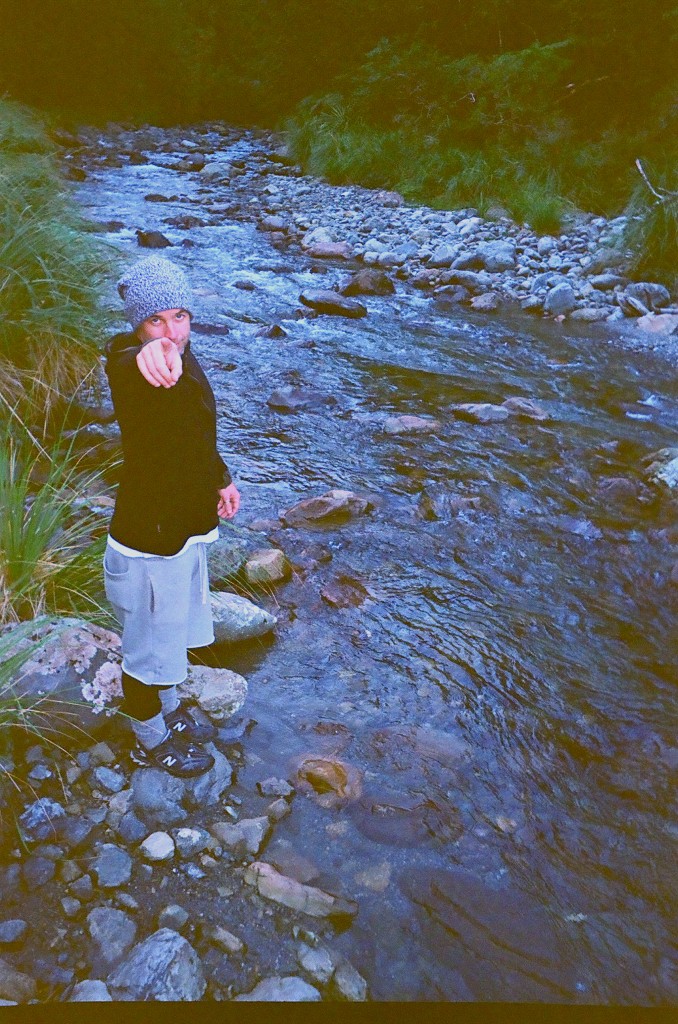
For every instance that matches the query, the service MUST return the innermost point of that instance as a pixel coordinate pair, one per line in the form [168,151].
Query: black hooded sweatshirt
[172,471]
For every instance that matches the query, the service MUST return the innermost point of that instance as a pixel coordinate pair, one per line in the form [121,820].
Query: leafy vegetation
[49,275]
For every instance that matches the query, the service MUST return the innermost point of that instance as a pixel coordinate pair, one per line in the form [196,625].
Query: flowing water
[506,688]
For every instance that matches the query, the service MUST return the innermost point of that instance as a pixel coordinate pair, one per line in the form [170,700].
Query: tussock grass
[48,562]
[50,273]
[652,231]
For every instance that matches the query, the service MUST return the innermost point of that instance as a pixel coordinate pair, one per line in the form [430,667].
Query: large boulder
[236,618]
[335,505]
[369,282]
[164,967]
[73,678]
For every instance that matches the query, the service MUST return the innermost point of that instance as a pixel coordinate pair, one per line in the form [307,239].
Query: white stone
[158,846]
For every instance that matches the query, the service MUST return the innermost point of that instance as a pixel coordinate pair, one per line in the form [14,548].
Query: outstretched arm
[159,362]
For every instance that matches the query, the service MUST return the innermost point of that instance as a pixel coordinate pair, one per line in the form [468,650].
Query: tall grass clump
[50,271]
[652,231]
[48,561]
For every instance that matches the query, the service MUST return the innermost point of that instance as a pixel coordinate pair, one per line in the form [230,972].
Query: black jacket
[172,470]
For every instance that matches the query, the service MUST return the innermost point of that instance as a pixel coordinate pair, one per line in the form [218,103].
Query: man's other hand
[229,502]
[160,362]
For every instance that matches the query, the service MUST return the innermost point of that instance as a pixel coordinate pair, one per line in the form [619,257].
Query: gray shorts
[164,607]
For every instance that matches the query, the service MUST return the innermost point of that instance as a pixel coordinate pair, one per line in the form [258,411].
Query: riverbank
[488,265]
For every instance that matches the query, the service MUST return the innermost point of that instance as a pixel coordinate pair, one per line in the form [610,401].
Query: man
[173,487]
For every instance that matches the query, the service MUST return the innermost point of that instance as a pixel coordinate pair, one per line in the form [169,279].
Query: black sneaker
[174,757]
[184,726]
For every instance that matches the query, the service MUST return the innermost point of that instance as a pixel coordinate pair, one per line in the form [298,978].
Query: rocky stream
[445,687]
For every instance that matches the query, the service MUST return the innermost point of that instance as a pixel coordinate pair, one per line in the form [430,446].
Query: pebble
[172,916]
[222,938]
[70,906]
[83,887]
[112,866]
[12,931]
[157,847]
[349,983]
[274,787]
[316,962]
[38,871]
[109,780]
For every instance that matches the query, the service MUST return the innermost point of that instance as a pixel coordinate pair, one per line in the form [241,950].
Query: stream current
[506,688]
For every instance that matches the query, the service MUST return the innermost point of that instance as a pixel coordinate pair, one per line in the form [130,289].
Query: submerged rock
[306,898]
[481,412]
[333,505]
[410,425]
[331,782]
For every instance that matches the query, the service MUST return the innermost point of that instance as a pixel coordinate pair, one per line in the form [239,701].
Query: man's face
[174,324]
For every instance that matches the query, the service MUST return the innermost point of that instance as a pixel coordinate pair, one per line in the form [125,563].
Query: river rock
[291,399]
[661,324]
[316,962]
[436,502]
[277,989]
[246,836]
[37,871]
[163,967]
[190,841]
[498,256]
[480,412]
[12,931]
[443,256]
[236,618]
[172,916]
[90,991]
[560,300]
[590,314]
[108,779]
[152,239]
[15,984]
[349,983]
[306,898]
[226,556]
[546,245]
[75,674]
[217,170]
[332,506]
[330,250]
[278,810]
[662,467]
[158,846]
[42,819]
[221,938]
[606,282]
[475,283]
[317,235]
[369,282]
[330,781]
[157,796]
[652,295]
[451,294]
[112,930]
[410,425]
[217,691]
[112,866]
[526,408]
[130,828]
[630,305]
[83,888]
[488,302]
[345,592]
[268,565]
[207,789]
[274,787]
[333,303]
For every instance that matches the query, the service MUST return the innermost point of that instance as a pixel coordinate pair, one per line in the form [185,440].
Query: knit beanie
[151,286]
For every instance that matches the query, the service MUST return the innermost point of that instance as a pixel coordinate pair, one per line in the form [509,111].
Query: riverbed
[503,681]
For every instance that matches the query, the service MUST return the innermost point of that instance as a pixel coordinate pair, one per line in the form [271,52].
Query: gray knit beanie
[152,286]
